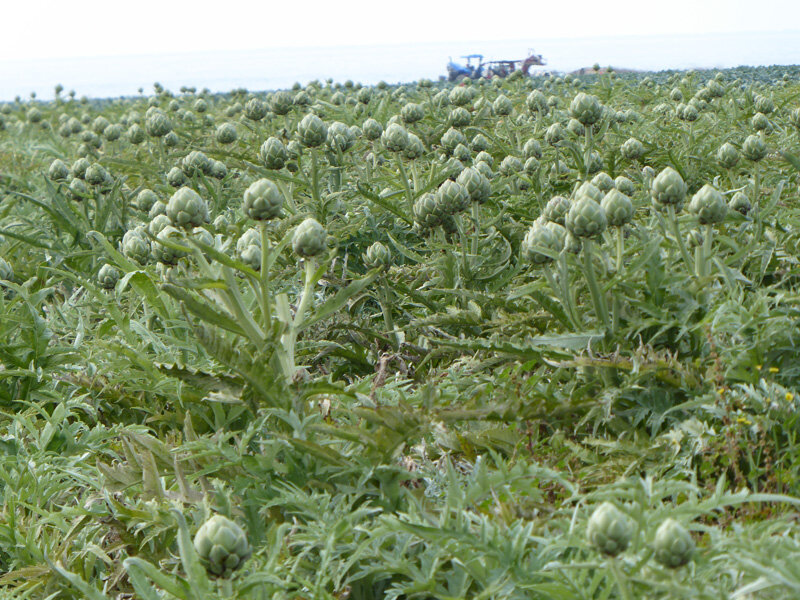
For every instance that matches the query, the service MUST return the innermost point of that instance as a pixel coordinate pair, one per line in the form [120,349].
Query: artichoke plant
[668,188]
[586,218]
[222,546]
[609,530]
[708,205]
[309,239]
[586,109]
[108,276]
[186,208]
[673,545]
[273,154]
[538,238]
[312,131]
[377,255]
[618,208]
[263,200]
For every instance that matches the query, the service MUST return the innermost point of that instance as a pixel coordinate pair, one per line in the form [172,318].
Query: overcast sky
[61,28]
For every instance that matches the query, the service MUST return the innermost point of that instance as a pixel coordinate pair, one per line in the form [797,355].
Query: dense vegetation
[510,339]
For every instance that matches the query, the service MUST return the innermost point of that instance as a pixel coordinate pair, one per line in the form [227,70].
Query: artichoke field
[507,339]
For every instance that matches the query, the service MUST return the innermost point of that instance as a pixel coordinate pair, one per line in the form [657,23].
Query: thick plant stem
[673,221]
[622,582]
[266,301]
[706,253]
[300,314]
[587,154]
[315,186]
[566,291]
[476,221]
[406,186]
[620,250]
[757,202]
[598,300]
[386,309]
[559,292]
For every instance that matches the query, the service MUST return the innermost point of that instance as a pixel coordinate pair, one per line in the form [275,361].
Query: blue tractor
[472,70]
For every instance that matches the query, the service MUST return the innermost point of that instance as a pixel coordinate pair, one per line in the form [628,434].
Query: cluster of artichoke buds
[610,531]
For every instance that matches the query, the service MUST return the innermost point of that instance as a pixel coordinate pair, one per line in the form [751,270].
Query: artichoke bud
[531,166]
[372,129]
[309,239]
[760,122]
[196,162]
[618,208]
[186,208]
[218,169]
[764,104]
[502,106]
[586,218]
[415,149]
[273,154]
[451,139]
[477,185]
[97,175]
[609,530]
[554,134]
[459,117]
[587,188]
[510,165]
[6,271]
[176,177]
[740,203]
[556,209]
[708,205]
[452,198]
[263,200]
[727,156]
[281,103]
[312,131]
[165,254]
[625,185]
[754,148]
[668,188]
[632,149]
[377,255]
[532,149]
[226,133]
[673,545]
[411,113]
[538,238]
[79,168]
[536,102]
[603,182]
[426,211]
[108,276]
[248,247]
[135,245]
[586,109]
[222,546]
[484,169]
[340,138]
[157,123]
[255,109]
[58,170]
[395,137]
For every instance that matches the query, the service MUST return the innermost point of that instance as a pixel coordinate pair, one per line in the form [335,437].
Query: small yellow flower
[789,396]
[744,421]
[774,369]
[758,367]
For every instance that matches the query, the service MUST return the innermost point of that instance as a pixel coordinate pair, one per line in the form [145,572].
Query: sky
[83,28]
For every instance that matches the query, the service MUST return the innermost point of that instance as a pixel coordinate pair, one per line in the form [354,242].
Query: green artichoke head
[708,205]
[263,200]
[222,546]
[609,530]
[673,545]
[668,187]
[309,239]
